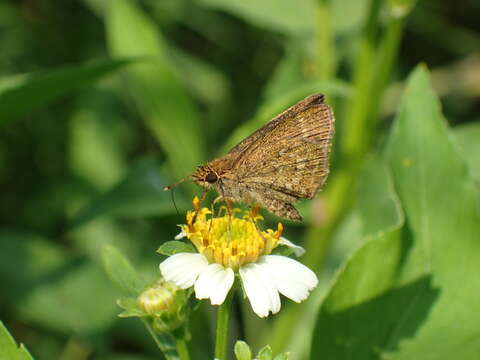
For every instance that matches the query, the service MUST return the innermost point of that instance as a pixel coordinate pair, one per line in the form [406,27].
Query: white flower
[246,252]
[262,280]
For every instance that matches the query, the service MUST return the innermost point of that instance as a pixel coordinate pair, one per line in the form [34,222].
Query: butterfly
[285,160]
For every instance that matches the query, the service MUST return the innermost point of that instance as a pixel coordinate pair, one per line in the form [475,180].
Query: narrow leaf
[174,247]
[168,111]
[121,270]
[20,94]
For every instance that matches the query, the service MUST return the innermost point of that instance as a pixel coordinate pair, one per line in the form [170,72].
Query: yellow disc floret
[229,240]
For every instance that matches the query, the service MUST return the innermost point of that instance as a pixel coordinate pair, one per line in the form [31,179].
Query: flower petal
[297,249]
[180,235]
[214,283]
[260,289]
[293,279]
[183,268]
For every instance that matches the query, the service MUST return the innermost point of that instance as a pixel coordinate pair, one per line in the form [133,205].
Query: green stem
[354,139]
[182,349]
[387,53]
[326,62]
[164,341]
[223,316]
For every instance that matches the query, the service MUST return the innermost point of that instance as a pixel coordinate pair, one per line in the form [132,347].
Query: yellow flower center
[229,240]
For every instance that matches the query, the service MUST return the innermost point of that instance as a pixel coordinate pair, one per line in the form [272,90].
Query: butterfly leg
[254,211]
[212,216]
[228,206]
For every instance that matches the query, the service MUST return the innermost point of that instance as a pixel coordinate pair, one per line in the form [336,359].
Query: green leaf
[20,94]
[242,351]
[121,271]
[9,350]
[283,356]
[364,311]
[281,15]
[468,139]
[401,8]
[265,353]
[400,295]
[173,247]
[139,194]
[377,203]
[158,92]
[130,307]
[440,201]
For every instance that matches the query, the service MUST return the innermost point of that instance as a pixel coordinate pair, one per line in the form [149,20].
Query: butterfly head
[205,176]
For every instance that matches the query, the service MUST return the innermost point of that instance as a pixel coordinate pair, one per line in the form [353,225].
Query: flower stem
[182,349]
[164,341]
[223,315]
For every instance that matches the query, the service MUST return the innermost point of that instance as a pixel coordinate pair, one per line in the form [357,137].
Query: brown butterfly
[285,160]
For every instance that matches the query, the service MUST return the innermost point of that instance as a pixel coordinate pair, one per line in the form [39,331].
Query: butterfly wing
[289,155]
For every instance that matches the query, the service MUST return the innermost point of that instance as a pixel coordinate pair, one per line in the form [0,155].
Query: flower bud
[158,298]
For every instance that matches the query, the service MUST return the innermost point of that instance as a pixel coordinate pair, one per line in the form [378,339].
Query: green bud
[242,351]
[158,298]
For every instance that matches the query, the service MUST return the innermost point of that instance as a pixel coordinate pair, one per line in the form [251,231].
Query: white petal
[183,268]
[260,289]
[214,283]
[293,279]
[180,235]
[297,249]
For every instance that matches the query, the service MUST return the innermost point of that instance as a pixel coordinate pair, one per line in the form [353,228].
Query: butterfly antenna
[174,204]
[173,186]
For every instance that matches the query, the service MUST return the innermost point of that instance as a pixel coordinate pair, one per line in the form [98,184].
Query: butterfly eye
[211,177]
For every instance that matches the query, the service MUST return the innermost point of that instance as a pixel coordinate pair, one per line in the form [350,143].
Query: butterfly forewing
[285,160]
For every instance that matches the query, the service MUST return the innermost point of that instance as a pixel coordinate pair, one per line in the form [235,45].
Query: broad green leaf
[9,350]
[174,247]
[121,271]
[402,295]
[20,94]
[291,17]
[468,139]
[440,202]
[156,88]
[139,194]
[364,311]
[377,203]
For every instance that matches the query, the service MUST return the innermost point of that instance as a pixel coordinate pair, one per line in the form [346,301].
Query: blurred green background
[103,103]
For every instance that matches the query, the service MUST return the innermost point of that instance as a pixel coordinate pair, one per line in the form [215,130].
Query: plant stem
[354,140]
[164,341]
[326,61]
[182,349]
[223,316]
